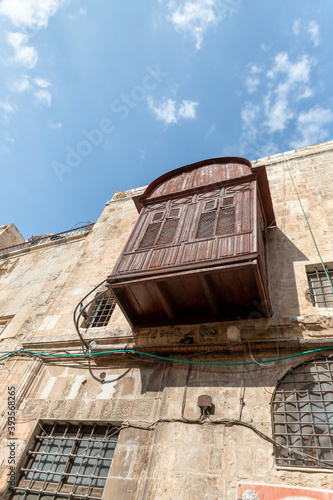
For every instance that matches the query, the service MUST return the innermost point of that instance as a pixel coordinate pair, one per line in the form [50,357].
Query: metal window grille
[101,311]
[320,290]
[68,461]
[302,415]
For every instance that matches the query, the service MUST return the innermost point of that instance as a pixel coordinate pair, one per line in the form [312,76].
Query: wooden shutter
[226,220]
[162,229]
[168,231]
[206,225]
[150,235]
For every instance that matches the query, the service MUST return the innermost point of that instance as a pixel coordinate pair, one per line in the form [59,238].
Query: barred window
[320,288]
[100,311]
[68,461]
[302,415]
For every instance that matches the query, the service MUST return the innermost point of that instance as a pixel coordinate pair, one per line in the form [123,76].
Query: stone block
[142,409]
[192,458]
[120,489]
[134,437]
[121,409]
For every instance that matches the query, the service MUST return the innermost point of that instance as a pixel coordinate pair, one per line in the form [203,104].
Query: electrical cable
[76,320]
[307,223]
[171,360]
[228,423]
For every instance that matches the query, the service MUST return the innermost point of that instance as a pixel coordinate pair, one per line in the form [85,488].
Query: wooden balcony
[197,252]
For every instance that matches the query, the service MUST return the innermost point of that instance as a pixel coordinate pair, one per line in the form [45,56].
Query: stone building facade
[115,414]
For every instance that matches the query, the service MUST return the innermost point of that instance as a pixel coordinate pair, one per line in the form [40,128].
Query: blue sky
[98,96]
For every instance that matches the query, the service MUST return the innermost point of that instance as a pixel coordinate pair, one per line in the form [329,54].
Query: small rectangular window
[206,225]
[216,222]
[226,221]
[100,311]
[4,320]
[150,235]
[162,232]
[68,461]
[320,288]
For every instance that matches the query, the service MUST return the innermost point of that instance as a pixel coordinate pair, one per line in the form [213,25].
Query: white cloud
[42,83]
[210,131]
[25,55]
[254,142]
[187,109]
[252,83]
[304,92]
[7,108]
[29,13]
[43,97]
[297,26]
[55,126]
[166,111]
[265,47]
[287,83]
[21,85]
[194,17]
[81,12]
[249,115]
[313,30]
[297,72]
[312,126]
[278,113]
[169,111]
[277,102]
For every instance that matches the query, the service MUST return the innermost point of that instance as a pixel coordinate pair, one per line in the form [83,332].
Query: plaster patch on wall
[75,387]
[106,390]
[48,388]
[49,322]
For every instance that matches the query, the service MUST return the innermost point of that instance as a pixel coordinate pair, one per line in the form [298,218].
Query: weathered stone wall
[158,456]
[10,235]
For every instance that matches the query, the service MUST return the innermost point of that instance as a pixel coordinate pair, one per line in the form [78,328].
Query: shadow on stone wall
[282,253]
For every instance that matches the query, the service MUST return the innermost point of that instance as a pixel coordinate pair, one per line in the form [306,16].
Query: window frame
[218,206]
[97,310]
[302,402]
[71,482]
[317,273]
[4,322]
[167,216]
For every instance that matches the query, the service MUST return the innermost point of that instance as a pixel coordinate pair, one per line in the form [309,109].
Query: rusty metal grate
[302,415]
[320,290]
[68,461]
[101,311]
